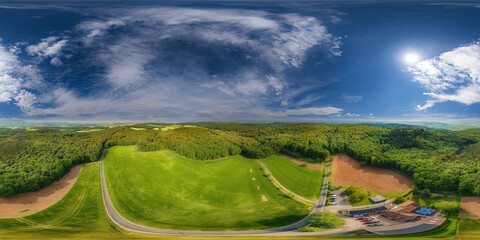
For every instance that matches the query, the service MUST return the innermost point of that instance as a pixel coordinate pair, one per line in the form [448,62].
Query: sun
[411,58]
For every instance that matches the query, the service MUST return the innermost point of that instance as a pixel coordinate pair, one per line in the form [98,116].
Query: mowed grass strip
[164,190]
[303,181]
[79,212]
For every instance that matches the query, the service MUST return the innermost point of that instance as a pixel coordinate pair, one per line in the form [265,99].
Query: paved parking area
[342,202]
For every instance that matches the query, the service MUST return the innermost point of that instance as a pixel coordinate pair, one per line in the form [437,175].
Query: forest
[438,160]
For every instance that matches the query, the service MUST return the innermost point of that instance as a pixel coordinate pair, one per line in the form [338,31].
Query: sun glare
[411,58]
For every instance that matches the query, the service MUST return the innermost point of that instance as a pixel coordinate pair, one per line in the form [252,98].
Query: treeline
[191,142]
[35,159]
[436,160]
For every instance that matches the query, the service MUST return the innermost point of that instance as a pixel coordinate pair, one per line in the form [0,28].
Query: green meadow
[303,181]
[80,215]
[164,190]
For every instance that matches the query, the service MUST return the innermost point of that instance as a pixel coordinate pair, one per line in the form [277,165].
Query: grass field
[91,130]
[80,215]
[164,190]
[303,181]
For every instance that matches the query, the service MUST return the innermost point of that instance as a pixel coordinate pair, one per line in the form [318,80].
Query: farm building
[378,198]
[403,212]
[426,211]
[400,216]
[364,211]
[409,206]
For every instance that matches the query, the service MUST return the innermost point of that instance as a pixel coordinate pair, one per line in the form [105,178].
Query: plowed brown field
[470,207]
[348,172]
[32,202]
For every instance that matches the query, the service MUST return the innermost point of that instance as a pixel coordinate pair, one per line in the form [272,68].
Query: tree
[425,192]
[399,200]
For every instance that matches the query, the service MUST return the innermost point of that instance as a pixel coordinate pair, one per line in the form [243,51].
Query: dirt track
[348,172]
[318,167]
[28,203]
[470,207]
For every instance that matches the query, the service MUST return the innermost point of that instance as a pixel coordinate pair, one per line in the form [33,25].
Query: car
[375,225]
[334,203]
[361,218]
[332,200]
[333,195]
[371,222]
[332,189]
[367,220]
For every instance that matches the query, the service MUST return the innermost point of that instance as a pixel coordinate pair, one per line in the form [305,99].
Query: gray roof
[378,198]
[366,210]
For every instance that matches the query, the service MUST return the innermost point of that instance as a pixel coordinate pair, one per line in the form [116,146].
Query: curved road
[288,230]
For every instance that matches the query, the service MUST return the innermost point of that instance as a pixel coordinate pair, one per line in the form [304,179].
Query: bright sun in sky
[411,58]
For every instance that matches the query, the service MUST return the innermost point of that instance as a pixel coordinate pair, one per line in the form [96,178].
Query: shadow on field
[280,221]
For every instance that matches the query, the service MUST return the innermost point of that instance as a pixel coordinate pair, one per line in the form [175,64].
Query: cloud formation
[187,64]
[452,76]
[16,79]
[314,110]
[168,63]
[50,47]
[351,98]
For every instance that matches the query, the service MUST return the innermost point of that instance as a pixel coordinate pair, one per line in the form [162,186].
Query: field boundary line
[283,188]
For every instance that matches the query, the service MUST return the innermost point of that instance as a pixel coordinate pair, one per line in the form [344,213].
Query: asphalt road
[288,230]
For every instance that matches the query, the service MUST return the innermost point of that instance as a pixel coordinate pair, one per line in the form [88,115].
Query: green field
[303,181]
[164,190]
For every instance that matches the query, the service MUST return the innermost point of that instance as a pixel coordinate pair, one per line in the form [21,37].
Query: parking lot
[341,201]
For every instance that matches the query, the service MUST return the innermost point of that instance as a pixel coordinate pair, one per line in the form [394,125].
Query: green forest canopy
[435,159]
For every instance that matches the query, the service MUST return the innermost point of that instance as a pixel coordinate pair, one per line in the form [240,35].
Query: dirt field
[28,203]
[470,207]
[348,172]
[318,167]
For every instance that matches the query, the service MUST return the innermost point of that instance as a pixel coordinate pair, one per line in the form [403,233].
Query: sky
[243,61]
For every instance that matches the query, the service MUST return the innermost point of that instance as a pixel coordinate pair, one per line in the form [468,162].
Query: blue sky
[240,61]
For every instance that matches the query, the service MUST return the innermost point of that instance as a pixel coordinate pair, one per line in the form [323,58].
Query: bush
[425,192]
[356,194]
[447,207]
[326,220]
[399,200]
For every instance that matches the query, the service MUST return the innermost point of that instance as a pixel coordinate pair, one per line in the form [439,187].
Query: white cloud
[156,64]
[15,78]
[48,47]
[314,111]
[126,63]
[94,29]
[352,115]
[310,99]
[25,100]
[351,98]
[452,76]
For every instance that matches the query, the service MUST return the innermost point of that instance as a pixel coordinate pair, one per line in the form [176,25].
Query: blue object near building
[425,211]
